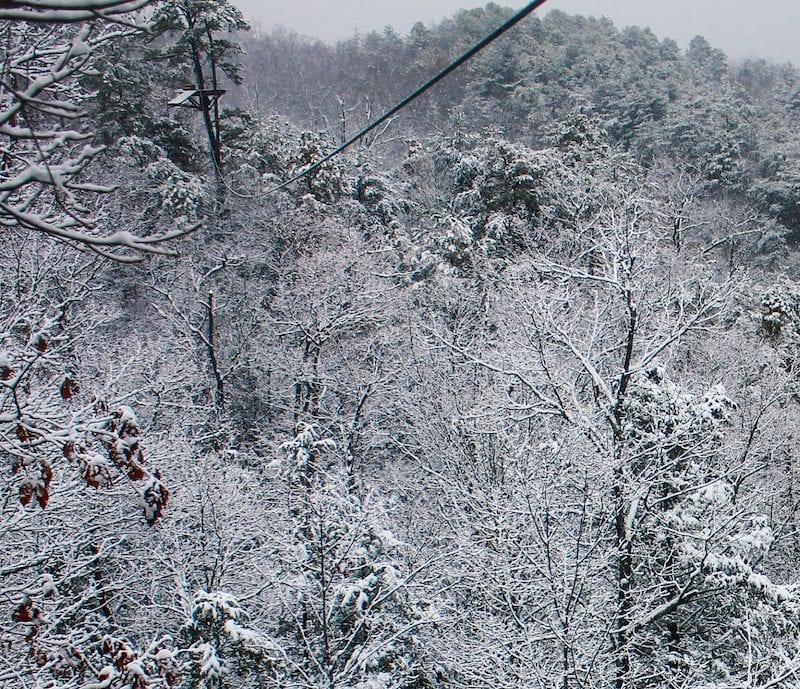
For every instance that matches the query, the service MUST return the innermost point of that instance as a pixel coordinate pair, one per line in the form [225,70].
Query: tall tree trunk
[211,351]
[206,106]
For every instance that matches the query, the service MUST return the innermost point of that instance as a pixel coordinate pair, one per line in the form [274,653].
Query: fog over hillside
[742,29]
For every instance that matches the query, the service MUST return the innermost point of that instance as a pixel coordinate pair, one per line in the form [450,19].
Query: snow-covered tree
[349,612]
[201,48]
[217,643]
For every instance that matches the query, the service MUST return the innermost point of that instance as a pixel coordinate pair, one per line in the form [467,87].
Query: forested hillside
[505,396]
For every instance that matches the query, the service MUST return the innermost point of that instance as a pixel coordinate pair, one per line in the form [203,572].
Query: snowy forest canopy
[503,397]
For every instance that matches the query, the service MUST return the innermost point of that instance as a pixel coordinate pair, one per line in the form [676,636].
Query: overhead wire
[391,112]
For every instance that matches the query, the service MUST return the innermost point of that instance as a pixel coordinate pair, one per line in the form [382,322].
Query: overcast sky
[742,28]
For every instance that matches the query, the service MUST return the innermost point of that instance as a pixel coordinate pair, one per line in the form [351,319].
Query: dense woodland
[502,397]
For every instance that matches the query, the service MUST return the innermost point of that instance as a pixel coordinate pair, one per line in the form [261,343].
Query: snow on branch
[58,12]
[45,149]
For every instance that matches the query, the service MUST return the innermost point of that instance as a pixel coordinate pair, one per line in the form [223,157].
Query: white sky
[742,28]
